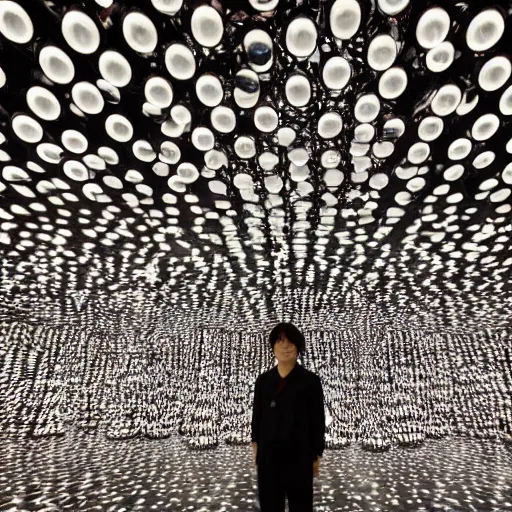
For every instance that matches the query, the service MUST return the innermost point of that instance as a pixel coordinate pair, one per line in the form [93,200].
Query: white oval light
[433,27]
[15,23]
[80,32]
[381,52]
[180,62]
[207,27]
[345,18]
[485,30]
[140,32]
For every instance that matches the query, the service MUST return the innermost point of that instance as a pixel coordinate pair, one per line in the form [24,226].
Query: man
[288,426]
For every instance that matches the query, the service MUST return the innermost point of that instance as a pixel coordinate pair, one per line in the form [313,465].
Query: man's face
[284,350]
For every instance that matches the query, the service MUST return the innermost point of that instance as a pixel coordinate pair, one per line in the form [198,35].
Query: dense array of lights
[170,167]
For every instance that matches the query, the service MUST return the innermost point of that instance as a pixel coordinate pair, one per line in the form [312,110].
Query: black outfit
[288,423]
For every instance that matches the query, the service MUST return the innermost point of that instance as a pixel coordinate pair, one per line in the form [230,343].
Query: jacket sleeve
[256,411]
[318,417]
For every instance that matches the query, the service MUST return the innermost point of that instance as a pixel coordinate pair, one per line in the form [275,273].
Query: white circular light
[330,159]
[367,108]
[245,147]
[446,100]
[115,68]
[174,183]
[181,115]
[133,176]
[268,161]
[383,149]
[209,90]
[418,152]
[336,73]
[264,5]
[430,128]
[113,182]
[394,127]
[187,172]
[170,153]
[143,151]
[299,172]
[484,159]
[273,184]
[243,181]
[333,177]
[77,171]
[94,162]
[488,184]
[506,102]
[247,90]
[218,187]
[379,181]
[416,184]
[453,173]
[27,129]
[345,18]
[56,65]
[169,7]
[94,192]
[140,32]
[74,141]
[119,128]
[500,195]
[259,49]
[455,198]
[223,119]
[330,125]
[158,91]
[286,136]
[506,175]
[459,149]
[215,159]
[298,90]
[80,32]
[43,103]
[485,127]
[180,62]
[504,208]
[381,52]
[433,27]
[207,27]
[15,23]
[203,138]
[392,7]
[392,83]
[266,119]
[494,73]
[301,36]
[12,173]
[440,57]
[87,98]
[485,30]
[364,132]
[298,156]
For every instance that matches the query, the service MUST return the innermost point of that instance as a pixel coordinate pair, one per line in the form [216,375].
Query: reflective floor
[86,472]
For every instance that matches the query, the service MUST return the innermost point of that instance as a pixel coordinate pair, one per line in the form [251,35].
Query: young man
[288,426]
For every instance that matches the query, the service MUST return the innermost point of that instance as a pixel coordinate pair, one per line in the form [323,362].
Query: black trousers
[284,471]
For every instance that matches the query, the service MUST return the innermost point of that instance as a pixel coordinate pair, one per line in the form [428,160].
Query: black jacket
[294,414]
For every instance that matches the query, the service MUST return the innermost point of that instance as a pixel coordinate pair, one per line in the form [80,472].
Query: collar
[293,372]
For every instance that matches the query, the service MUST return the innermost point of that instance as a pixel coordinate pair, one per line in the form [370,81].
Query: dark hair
[292,333]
